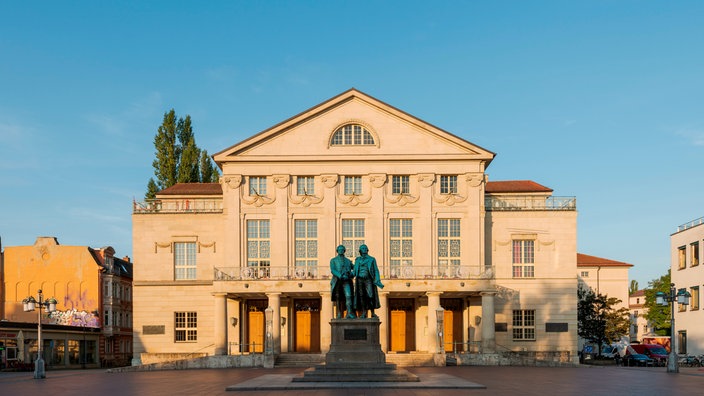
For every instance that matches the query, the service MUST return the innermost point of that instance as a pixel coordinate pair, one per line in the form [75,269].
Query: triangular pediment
[397,135]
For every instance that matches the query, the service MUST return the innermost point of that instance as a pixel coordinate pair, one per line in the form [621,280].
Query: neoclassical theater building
[495,261]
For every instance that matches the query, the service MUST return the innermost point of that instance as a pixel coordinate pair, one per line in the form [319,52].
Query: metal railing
[237,348]
[197,205]
[396,272]
[466,347]
[691,224]
[518,202]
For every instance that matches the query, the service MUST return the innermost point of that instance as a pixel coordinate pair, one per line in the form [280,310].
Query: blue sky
[602,100]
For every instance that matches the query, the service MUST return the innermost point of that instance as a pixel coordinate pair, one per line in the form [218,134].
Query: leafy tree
[178,158]
[598,319]
[634,287]
[658,315]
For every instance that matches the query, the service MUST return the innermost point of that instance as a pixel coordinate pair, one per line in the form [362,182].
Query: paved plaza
[585,380]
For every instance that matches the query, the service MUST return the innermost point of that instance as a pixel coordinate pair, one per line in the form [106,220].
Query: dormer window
[352,135]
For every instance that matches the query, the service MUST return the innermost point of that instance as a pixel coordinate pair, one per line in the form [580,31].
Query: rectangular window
[523,324]
[448,247]
[694,301]
[185,326]
[352,236]
[448,184]
[305,185]
[584,274]
[306,232]
[523,258]
[400,247]
[694,254]
[258,249]
[353,185]
[682,257]
[184,261]
[257,185]
[400,185]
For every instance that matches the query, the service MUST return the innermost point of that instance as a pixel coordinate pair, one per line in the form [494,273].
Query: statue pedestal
[355,356]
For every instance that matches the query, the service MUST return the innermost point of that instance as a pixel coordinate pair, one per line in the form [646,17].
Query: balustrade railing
[396,272]
[177,206]
[518,202]
[691,224]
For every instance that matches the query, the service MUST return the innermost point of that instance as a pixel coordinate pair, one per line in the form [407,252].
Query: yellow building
[92,322]
[499,257]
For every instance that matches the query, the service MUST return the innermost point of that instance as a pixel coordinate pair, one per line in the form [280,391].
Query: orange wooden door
[448,330]
[303,333]
[398,331]
[256,331]
[452,328]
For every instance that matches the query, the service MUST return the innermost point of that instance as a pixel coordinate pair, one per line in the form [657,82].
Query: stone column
[275,304]
[383,314]
[488,326]
[220,323]
[432,337]
[325,318]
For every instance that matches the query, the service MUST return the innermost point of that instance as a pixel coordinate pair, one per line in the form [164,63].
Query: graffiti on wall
[74,317]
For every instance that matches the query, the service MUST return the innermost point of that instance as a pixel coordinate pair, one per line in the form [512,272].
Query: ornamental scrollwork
[426,179]
[281,181]
[232,181]
[377,180]
[329,180]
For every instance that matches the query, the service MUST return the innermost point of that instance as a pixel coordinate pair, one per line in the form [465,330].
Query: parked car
[609,351]
[654,351]
[637,359]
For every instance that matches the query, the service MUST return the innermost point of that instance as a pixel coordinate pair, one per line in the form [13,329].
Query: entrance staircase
[299,359]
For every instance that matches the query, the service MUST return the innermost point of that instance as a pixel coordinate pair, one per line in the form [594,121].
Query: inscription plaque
[355,334]
[153,329]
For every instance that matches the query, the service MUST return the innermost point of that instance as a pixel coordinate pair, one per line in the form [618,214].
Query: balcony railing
[691,224]
[177,206]
[517,202]
[399,272]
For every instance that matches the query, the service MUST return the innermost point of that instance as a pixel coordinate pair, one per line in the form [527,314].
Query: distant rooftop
[585,260]
[515,186]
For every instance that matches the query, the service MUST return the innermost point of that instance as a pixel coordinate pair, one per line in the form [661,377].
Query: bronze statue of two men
[354,286]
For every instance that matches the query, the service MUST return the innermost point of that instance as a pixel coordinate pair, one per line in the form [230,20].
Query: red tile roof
[193,189]
[515,186]
[585,260]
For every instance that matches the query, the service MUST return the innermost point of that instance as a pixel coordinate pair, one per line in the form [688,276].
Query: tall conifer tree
[177,157]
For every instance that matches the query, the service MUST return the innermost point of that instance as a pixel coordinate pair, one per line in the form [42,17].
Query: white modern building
[687,273]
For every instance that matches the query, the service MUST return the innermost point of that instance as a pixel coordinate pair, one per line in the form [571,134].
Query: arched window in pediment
[352,135]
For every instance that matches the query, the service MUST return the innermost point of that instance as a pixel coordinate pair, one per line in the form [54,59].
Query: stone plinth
[355,356]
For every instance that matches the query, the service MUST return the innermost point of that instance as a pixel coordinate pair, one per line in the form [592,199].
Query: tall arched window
[352,135]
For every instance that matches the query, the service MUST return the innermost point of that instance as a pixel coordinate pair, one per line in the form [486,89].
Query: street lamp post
[681,297]
[29,305]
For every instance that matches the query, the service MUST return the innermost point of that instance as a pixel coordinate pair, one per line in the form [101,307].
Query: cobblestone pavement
[584,380]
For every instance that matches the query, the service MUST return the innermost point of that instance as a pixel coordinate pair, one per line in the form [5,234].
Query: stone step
[413,359]
[357,373]
[299,359]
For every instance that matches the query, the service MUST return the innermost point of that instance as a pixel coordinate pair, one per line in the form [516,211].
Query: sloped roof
[193,189]
[514,186]
[349,96]
[638,293]
[585,260]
